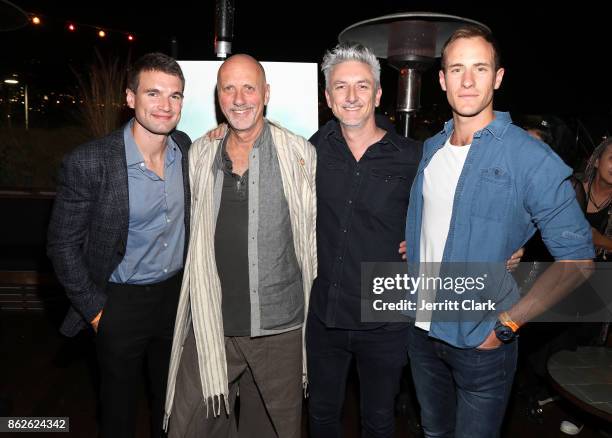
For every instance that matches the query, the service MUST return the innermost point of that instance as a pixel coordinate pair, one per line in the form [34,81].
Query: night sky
[555,57]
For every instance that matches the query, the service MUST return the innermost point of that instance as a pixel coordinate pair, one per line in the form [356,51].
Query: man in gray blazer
[118,238]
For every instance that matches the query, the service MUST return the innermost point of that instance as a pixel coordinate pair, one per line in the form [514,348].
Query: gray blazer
[89,224]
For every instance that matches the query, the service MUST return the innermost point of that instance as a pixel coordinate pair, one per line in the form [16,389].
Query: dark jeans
[136,327]
[380,354]
[462,392]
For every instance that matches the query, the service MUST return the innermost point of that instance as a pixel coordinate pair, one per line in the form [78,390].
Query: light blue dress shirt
[156,234]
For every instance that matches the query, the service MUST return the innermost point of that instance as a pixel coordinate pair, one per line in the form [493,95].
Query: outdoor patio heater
[410,42]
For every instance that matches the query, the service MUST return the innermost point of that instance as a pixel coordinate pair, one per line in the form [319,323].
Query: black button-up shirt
[361,216]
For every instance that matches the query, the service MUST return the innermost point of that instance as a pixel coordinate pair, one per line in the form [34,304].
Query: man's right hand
[490,343]
[217,133]
[402,249]
[96,320]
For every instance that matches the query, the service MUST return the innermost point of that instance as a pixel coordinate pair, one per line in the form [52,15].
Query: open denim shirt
[510,184]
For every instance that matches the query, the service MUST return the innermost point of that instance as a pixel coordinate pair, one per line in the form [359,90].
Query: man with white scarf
[248,274]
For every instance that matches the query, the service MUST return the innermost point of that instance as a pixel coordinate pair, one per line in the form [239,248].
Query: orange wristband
[505,319]
[97,318]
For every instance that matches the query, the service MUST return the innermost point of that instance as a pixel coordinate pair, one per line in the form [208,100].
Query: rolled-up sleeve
[551,201]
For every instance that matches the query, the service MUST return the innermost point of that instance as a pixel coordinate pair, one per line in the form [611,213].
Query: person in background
[597,184]
[539,341]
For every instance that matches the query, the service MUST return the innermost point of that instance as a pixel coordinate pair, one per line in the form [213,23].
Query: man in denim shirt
[482,187]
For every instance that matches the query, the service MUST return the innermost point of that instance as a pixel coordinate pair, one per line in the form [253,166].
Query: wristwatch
[505,329]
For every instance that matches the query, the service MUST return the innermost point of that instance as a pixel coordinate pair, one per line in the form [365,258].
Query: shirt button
[165,270]
[357,173]
[141,164]
[165,245]
[168,220]
[335,285]
[340,258]
[254,291]
[344,230]
[350,201]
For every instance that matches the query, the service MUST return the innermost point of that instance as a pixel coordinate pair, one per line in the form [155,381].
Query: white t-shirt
[439,184]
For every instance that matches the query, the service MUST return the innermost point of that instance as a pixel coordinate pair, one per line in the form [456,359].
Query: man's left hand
[515,259]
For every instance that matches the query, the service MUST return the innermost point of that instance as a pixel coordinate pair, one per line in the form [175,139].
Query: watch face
[504,333]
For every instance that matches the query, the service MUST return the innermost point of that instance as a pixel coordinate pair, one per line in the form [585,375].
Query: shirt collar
[223,161]
[134,156]
[264,136]
[497,127]
[391,137]
[171,151]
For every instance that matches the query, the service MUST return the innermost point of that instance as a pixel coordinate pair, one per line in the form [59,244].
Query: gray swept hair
[344,52]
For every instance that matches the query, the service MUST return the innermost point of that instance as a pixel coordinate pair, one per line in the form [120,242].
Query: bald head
[243,62]
[243,92]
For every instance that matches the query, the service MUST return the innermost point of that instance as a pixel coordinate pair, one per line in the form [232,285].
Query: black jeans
[380,354]
[136,327]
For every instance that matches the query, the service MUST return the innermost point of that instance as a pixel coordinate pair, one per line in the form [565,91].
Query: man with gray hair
[364,174]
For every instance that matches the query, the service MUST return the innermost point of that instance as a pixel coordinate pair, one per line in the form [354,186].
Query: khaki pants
[264,373]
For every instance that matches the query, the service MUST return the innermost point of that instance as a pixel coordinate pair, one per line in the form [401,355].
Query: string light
[73,26]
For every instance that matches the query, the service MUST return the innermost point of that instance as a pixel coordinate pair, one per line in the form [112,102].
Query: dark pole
[174,47]
[224,27]
[409,96]
[402,125]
